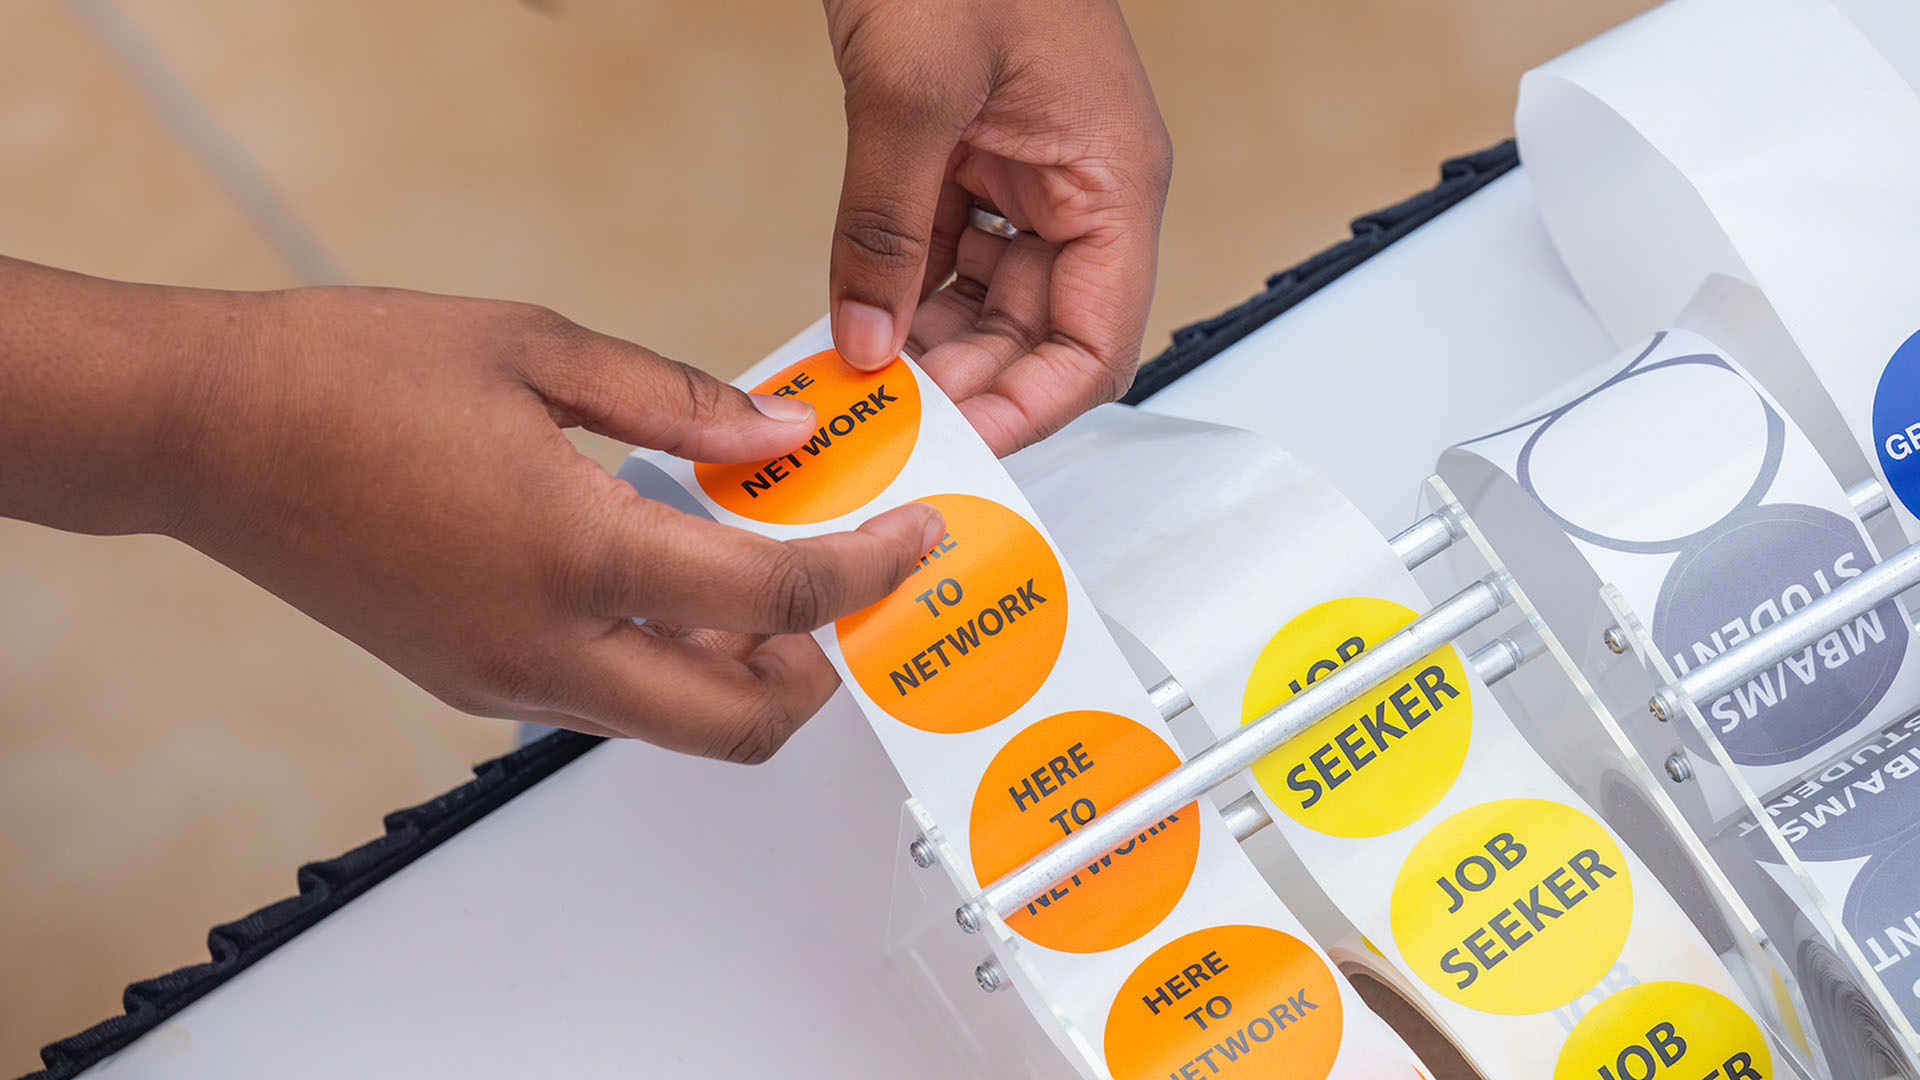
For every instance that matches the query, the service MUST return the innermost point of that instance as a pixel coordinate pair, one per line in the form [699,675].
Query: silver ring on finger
[989,222]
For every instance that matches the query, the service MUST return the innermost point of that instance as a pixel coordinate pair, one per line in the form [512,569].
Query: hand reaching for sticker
[1039,110]
[392,463]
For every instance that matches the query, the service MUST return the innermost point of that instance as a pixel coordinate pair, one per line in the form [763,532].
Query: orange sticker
[868,423]
[1229,1001]
[1053,778]
[975,629]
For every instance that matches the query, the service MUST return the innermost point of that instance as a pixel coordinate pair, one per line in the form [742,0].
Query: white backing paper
[1220,545]
[944,770]
[1769,141]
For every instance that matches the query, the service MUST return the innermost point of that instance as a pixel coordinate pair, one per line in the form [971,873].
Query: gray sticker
[1882,915]
[1860,804]
[1756,566]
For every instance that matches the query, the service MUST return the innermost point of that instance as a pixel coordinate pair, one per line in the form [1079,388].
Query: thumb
[896,164]
[633,394]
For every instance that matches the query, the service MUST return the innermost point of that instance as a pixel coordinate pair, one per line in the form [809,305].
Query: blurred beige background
[173,741]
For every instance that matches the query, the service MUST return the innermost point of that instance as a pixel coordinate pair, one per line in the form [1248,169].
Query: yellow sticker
[1382,762]
[1514,906]
[1665,1029]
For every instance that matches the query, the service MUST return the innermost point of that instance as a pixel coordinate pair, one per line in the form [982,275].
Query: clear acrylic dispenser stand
[1579,710]
[1570,720]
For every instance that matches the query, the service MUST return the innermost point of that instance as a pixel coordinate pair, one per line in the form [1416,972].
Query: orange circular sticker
[1053,778]
[1227,1001]
[975,629]
[867,422]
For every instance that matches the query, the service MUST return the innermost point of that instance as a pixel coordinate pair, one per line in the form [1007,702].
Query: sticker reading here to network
[1053,778]
[1665,1029]
[1514,906]
[1378,764]
[1228,1001]
[973,632]
[868,423]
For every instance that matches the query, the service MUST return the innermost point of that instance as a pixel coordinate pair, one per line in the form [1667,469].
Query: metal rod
[1873,587]
[1415,544]
[1493,661]
[1245,816]
[1425,538]
[1211,767]
[1502,656]
[1170,698]
[1869,498]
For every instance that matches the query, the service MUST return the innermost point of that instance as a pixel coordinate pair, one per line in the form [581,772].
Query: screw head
[1659,710]
[968,916]
[989,975]
[1679,769]
[1615,639]
[921,852]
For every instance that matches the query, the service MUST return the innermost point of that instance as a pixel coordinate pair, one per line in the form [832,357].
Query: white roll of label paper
[1715,530]
[1013,718]
[1769,141]
[1539,942]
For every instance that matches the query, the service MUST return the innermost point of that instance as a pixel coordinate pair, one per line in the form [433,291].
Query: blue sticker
[1896,423]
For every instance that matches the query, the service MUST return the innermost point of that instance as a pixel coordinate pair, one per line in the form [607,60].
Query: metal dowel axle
[1425,538]
[1471,606]
[1245,816]
[1415,544]
[1492,662]
[1869,498]
[1224,759]
[1793,633]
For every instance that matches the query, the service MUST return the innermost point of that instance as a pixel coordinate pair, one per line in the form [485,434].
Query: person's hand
[392,463]
[1039,110]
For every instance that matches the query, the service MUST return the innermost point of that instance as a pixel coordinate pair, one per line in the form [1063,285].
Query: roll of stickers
[1713,531]
[1766,140]
[1013,718]
[1678,479]
[1534,938]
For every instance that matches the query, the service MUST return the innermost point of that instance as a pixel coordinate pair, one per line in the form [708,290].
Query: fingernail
[865,335]
[935,529]
[784,409]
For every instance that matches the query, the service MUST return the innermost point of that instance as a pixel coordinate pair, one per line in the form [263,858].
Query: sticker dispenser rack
[1597,703]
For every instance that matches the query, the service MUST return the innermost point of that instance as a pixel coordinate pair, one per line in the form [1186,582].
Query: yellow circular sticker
[1380,763]
[1513,907]
[1665,1029]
